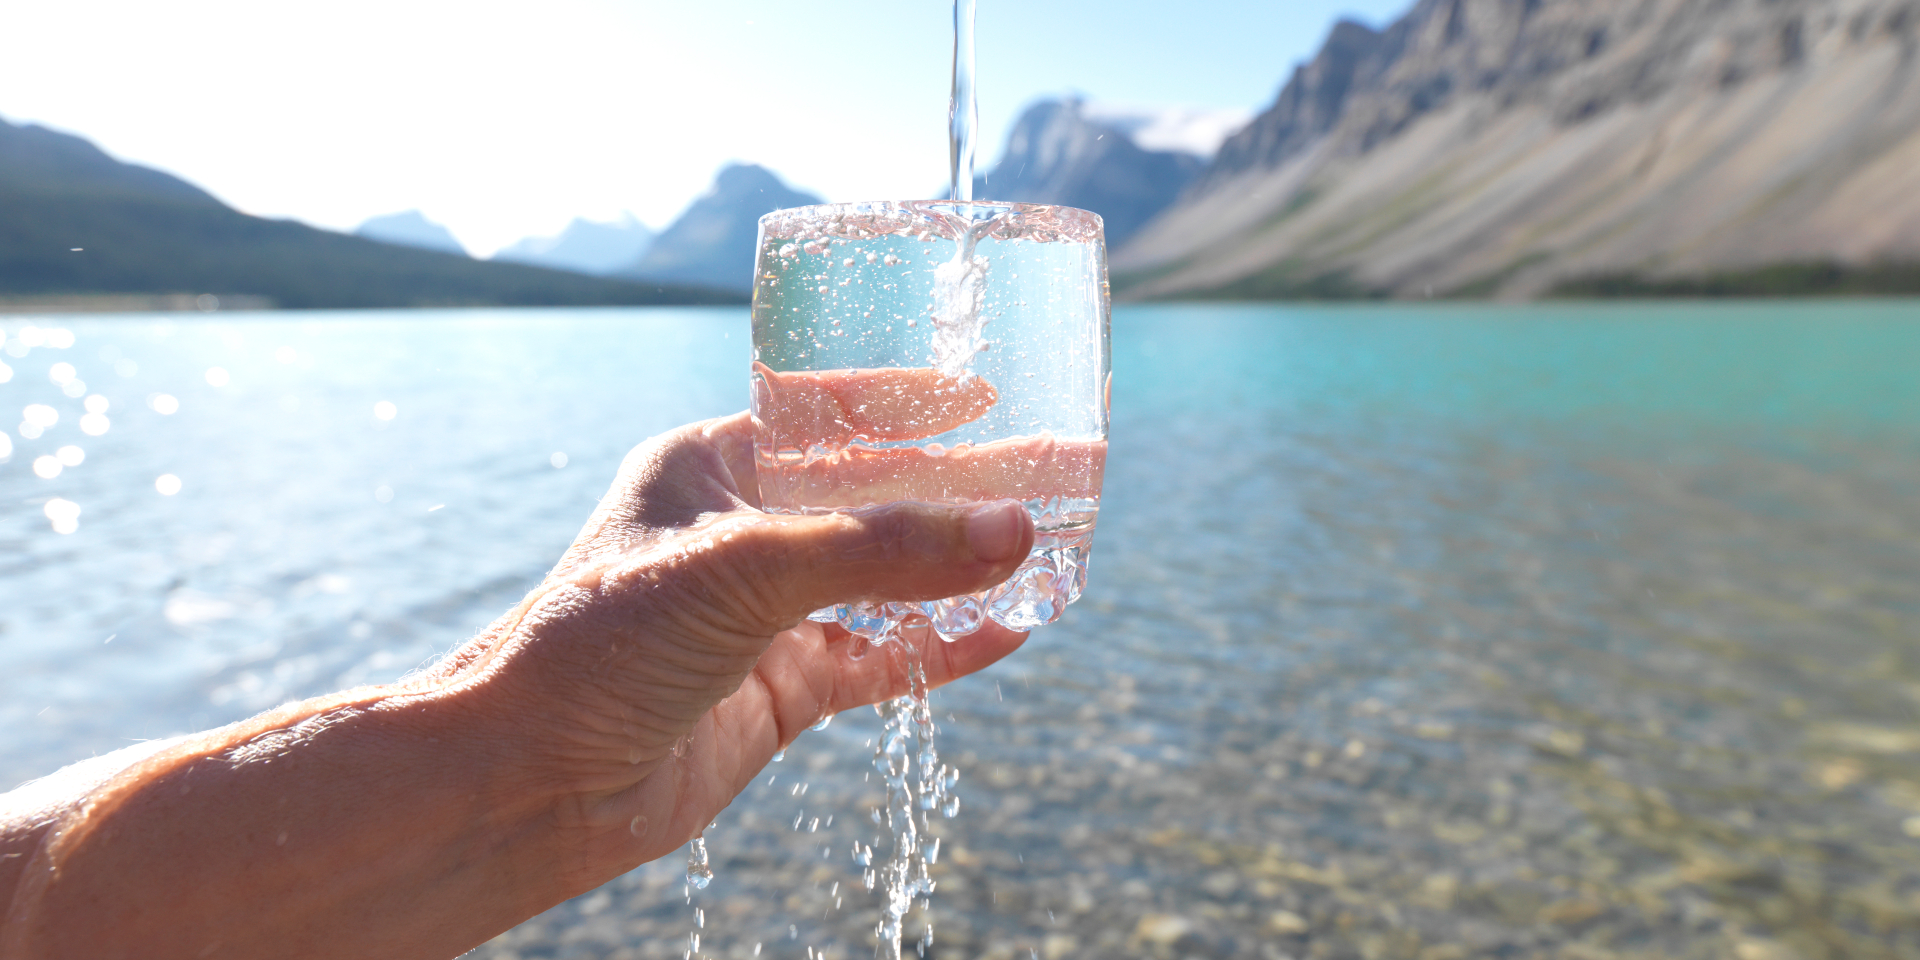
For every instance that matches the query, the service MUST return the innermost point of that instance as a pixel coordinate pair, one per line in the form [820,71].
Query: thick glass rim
[943,219]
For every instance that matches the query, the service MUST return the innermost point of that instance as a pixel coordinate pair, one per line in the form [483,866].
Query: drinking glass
[939,351]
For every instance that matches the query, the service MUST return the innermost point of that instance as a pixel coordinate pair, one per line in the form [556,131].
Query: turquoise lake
[1413,631]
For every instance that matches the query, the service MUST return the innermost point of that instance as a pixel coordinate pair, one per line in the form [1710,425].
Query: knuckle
[742,567]
[904,532]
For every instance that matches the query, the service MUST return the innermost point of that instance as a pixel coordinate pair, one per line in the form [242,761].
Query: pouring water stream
[905,756]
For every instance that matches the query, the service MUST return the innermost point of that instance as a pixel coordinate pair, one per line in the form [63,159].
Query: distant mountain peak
[410,228]
[585,246]
[741,178]
[712,243]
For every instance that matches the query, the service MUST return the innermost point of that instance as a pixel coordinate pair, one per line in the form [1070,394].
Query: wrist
[538,760]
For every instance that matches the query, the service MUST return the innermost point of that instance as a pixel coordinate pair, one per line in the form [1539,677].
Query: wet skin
[597,725]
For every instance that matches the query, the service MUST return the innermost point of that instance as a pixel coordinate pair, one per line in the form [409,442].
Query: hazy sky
[503,120]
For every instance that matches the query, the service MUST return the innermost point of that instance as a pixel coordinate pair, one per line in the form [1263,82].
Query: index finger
[804,408]
[732,438]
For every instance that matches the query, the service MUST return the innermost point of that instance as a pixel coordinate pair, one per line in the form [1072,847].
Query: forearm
[600,723]
[379,823]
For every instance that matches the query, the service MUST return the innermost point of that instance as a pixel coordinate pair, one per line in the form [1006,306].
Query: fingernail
[993,530]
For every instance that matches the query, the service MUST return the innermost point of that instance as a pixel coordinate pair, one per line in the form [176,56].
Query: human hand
[596,726]
[666,658]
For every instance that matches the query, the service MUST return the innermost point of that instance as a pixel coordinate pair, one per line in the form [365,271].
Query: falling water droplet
[699,872]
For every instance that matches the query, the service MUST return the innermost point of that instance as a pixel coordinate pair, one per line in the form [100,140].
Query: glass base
[1051,577]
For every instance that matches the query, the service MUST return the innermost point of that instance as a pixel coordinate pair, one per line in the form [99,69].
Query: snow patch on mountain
[1193,130]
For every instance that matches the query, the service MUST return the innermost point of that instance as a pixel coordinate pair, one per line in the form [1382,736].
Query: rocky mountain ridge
[1509,147]
[1057,153]
[712,244]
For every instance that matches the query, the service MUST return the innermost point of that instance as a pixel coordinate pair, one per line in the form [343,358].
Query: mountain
[1195,130]
[712,243]
[585,247]
[410,228]
[1058,153]
[140,231]
[1515,148]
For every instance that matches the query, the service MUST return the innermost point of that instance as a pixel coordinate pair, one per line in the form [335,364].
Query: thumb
[788,568]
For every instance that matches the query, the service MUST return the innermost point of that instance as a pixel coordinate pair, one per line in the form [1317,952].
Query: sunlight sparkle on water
[218,377]
[70,456]
[64,514]
[46,468]
[29,337]
[385,410]
[164,404]
[95,422]
[166,484]
[40,415]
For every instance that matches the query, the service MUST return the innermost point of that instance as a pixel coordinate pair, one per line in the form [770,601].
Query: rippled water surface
[1412,632]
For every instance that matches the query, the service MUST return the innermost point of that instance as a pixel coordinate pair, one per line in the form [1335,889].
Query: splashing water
[699,870]
[699,874]
[959,299]
[827,438]
[806,465]
[960,285]
[905,755]
[917,784]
